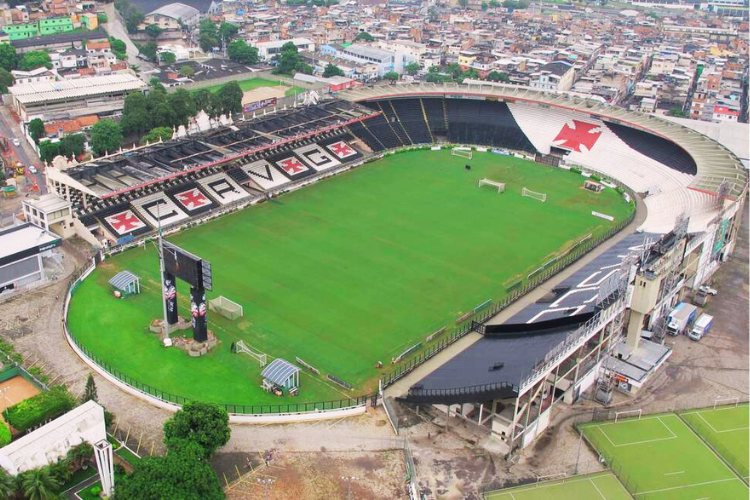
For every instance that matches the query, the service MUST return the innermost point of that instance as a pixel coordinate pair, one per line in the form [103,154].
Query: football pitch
[725,429]
[660,457]
[603,486]
[345,273]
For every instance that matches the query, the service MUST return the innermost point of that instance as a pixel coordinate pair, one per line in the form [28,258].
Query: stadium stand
[486,123]
[655,147]
[412,117]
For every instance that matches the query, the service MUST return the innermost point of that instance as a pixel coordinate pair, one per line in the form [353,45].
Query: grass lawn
[128,456]
[253,83]
[726,430]
[660,457]
[344,273]
[603,485]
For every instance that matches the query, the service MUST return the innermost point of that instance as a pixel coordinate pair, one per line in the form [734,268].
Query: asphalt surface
[116,28]
[23,152]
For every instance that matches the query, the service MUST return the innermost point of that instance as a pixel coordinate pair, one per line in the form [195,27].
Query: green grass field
[726,430]
[660,457]
[253,83]
[345,273]
[603,486]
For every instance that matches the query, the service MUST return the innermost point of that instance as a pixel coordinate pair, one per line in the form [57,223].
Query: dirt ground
[322,475]
[260,93]
[15,390]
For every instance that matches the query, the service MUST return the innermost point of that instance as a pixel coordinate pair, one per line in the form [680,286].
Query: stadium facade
[514,370]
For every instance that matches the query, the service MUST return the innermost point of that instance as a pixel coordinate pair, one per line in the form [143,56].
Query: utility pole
[165,322]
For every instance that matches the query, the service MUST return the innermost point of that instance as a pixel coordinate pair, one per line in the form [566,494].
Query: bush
[40,408]
[575,170]
[596,178]
[5,436]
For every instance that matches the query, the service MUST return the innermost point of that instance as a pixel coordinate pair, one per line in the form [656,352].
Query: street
[23,153]
[114,26]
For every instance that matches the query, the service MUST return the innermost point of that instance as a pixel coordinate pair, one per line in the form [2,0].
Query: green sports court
[345,273]
[603,486]
[661,457]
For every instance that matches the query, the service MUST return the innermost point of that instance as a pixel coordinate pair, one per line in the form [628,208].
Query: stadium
[352,241]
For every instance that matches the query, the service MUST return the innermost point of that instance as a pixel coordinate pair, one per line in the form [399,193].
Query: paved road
[116,28]
[24,152]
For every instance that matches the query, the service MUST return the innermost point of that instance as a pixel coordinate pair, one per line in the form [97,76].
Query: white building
[268,50]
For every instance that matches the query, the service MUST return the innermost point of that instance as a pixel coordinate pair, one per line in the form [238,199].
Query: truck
[701,327]
[681,318]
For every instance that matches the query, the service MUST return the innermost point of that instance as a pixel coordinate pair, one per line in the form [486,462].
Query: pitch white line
[666,426]
[687,486]
[717,431]
[597,489]
[674,473]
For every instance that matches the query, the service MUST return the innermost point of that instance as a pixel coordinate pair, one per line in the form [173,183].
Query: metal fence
[475,321]
[167,397]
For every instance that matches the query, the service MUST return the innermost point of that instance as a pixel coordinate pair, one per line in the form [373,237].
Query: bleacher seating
[434,108]
[655,147]
[364,134]
[412,118]
[484,122]
[379,127]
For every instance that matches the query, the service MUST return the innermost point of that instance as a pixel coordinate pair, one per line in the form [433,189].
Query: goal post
[534,194]
[462,153]
[728,401]
[628,414]
[495,184]
[225,307]
[241,346]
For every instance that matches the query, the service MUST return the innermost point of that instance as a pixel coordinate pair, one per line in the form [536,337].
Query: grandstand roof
[715,163]
[36,92]
[176,11]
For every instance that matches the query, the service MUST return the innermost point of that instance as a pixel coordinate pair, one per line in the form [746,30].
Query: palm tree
[39,484]
[8,485]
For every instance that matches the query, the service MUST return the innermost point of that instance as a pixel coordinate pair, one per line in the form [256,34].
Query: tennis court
[603,485]
[659,456]
[725,429]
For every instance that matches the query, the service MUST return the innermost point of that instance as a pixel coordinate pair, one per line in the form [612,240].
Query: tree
[305,68]
[364,36]
[157,134]
[288,59]
[106,137]
[148,50]
[676,111]
[494,4]
[227,31]
[202,100]
[433,14]
[204,423]
[8,57]
[239,51]
[135,118]
[36,129]
[133,20]
[332,70]
[470,73]
[119,49]
[209,36]
[39,484]
[498,76]
[183,107]
[183,473]
[89,392]
[230,98]
[160,112]
[187,71]
[153,31]
[35,59]
[48,150]
[74,145]
[167,58]
[484,6]
[412,68]
[463,3]
[8,485]
[391,75]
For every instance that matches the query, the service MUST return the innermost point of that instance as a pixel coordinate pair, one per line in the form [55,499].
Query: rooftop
[24,238]
[36,92]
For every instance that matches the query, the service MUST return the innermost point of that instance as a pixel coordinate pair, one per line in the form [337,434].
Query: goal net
[241,346]
[628,414]
[226,307]
[533,194]
[462,153]
[500,186]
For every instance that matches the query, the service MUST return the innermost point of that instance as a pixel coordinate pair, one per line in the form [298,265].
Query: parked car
[32,169]
[16,142]
[708,290]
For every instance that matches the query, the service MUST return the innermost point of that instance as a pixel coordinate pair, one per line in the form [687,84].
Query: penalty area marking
[714,429]
[645,441]
[687,486]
